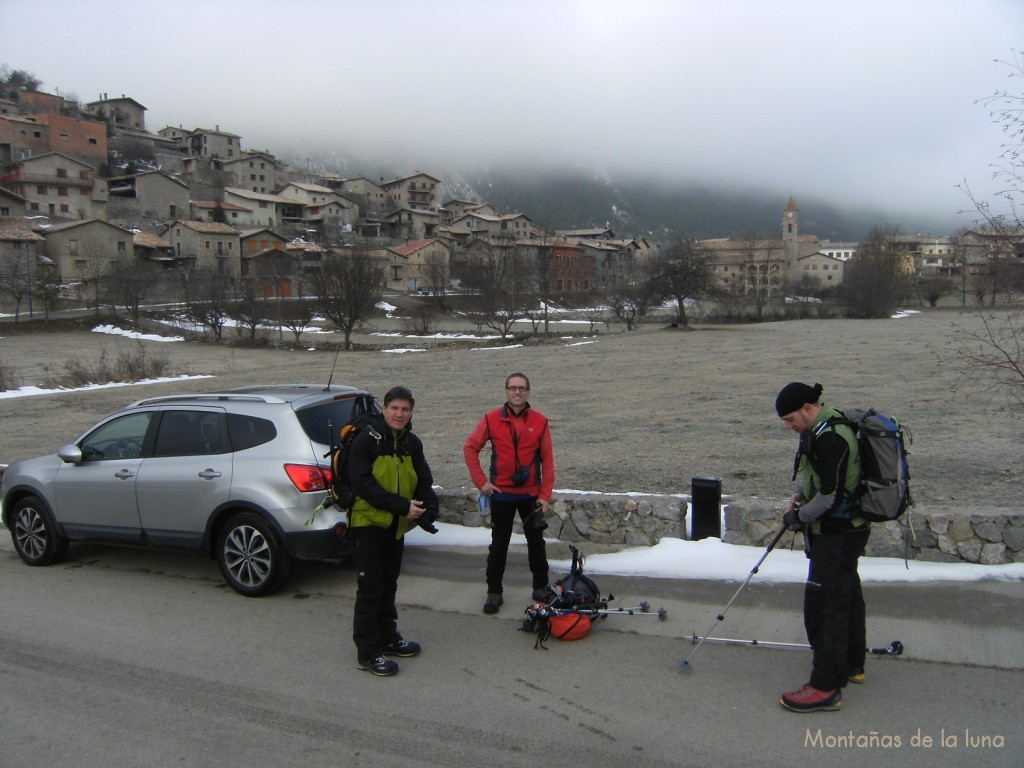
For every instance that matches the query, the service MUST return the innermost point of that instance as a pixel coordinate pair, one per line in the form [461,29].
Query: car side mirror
[71,454]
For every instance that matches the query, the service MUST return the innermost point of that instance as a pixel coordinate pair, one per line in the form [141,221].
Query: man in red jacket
[521,479]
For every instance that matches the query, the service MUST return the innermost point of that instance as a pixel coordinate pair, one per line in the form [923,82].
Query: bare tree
[684,269]
[347,287]
[631,303]
[252,310]
[877,279]
[439,274]
[16,277]
[762,270]
[297,316]
[46,290]
[92,265]
[213,300]
[992,346]
[128,285]
[931,289]
[423,315]
[501,278]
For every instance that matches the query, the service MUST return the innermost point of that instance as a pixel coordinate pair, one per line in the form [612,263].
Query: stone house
[58,186]
[596,233]
[20,247]
[203,142]
[572,268]
[420,264]
[743,267]
[417,192]
[373,200]
[42,122]
[255,171]
[456,209]
[265,210]
[274,272]
[147,195]
[410,224]
[154,250]
[124,112]
[12,204]
[86,250]
[205,246]
[205,210]
[261,239]
[515,226]
[826,270]
[613,265]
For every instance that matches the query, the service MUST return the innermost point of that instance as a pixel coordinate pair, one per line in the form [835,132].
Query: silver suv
[236,474]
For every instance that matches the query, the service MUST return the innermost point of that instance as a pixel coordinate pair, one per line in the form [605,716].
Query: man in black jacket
[825,507]
[393,486]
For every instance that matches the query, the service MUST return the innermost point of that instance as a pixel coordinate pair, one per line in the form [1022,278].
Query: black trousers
[503,514]
[834,611]
[377,555]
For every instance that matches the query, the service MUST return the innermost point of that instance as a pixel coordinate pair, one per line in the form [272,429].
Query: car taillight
[308,477]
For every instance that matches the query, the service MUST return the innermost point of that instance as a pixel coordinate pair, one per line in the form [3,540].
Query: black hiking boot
[494,601]
[379,666]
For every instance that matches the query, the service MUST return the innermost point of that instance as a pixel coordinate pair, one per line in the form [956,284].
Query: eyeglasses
[518,389]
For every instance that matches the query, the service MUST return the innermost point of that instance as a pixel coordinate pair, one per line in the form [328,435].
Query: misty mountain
[577,198]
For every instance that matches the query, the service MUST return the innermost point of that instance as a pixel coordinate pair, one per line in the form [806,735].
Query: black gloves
[792,519]
[426,520]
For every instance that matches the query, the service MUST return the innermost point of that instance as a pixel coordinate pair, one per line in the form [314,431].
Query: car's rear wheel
[37,539]
[251,556]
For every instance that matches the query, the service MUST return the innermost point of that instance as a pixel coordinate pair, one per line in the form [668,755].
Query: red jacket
[526,436]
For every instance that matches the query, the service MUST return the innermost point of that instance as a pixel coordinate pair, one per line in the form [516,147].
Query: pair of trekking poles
[894,649]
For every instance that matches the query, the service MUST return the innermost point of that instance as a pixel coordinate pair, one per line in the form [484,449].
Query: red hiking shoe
[811,699]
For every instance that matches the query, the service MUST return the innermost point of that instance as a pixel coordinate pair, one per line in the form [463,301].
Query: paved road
[131,658]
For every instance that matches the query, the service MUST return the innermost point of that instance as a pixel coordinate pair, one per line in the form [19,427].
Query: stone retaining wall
[988,537]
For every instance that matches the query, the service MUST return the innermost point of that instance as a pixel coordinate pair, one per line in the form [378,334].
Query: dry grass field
[641,412]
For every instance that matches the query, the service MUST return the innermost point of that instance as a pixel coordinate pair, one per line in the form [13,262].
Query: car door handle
[209,474]
[124,474]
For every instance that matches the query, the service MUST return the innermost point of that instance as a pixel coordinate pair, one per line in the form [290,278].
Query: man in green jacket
[394,489]
[825,506]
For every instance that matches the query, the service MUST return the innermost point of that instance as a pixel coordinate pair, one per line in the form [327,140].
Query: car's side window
[118,439]
[249,431]
[191,433]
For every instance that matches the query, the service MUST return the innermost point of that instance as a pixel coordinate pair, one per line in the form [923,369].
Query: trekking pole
[684,664]
[895,647]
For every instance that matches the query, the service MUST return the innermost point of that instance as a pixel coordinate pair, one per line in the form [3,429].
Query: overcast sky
[865,101]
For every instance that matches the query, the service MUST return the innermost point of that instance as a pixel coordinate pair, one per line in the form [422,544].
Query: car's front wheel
[251,557]
[37,539]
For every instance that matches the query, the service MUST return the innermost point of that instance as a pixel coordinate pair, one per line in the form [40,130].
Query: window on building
[65,208]
[62,191]
[62,173]
[72,247]
[42,189]
[122,248]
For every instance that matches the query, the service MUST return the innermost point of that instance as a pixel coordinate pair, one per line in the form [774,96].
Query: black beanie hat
[795,395]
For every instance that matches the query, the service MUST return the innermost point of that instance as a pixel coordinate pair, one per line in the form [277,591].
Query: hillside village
[87,188]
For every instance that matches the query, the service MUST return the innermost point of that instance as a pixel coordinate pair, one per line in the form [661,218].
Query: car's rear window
[249,431]
[319,420]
